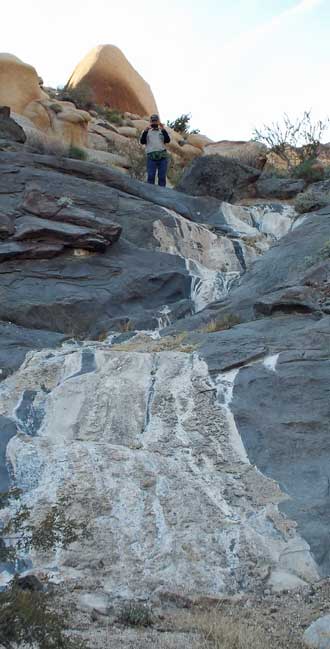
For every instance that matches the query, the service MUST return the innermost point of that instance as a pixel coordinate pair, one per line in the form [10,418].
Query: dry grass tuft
[143,343]
[226,322]
[222,632]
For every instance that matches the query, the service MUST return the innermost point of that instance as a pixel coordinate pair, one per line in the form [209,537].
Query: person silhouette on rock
[154,137]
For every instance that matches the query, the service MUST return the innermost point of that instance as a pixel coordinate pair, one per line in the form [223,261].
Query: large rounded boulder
[111,79]
[222,178]
[19,83]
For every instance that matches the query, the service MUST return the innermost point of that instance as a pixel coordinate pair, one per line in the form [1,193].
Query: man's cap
[154,118]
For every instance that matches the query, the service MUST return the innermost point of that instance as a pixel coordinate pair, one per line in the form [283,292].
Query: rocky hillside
[164,362]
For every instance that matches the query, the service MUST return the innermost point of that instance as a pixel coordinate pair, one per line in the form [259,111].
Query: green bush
[28,616]
[113,116]
[82,96]
[309,170]
[182,125]
[136,614]
[76,153]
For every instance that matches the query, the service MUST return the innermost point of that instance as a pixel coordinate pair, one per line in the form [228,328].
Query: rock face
[317,636]
[217,176]
[9,129]
[316,196]
[175,385]
[278,188]
[251,153]
[152,535]
[112,80]
[19,84]
[20,90]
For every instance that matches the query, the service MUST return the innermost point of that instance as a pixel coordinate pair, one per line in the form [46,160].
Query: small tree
[301,134]
[27,616]
[182,125]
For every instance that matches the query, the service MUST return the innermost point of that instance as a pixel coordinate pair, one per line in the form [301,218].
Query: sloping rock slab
[282,188]
[89,296]
[31,250]
[16,342]
[317,636]
[46,206]
[32,227]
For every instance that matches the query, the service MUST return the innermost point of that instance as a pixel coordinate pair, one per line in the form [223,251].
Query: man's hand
[161,125]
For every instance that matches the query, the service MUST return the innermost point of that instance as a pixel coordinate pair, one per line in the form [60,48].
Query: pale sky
[233,64]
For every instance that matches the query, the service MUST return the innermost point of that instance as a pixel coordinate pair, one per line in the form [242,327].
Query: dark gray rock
[33,250]
[222,178]
[314,198]
[63,210]
[274,187]
[31,227]
[7,227]
[287,265]
[282,410]
[16,342]
[86,296]
[9,129]
[294,298]
[198,209]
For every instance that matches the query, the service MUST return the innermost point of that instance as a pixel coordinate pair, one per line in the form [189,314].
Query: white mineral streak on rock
[264,219]
[225,386]
[164,319]
[208,285]
[210,259]
[142,445]
[270,362]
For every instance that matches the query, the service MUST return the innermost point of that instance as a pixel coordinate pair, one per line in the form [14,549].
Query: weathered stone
[316,196]
[32,227]
[32,250]
[275,187]
[155,445]
[219,177]
[112,80]
[317,636]
[250,153]
[9,129]
[62,209]
[7,227]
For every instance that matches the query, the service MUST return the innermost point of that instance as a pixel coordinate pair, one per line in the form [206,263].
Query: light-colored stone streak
[148,454]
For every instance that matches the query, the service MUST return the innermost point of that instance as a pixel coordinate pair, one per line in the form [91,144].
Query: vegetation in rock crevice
[27,611]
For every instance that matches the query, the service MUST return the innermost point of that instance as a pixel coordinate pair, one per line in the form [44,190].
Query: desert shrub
[225,633]
[82,96]
[175,171]
[135,614]
[77,153]
[311,201]
[182,125]
[309,170]
[27,615]
[325,250]
[28,619]
[301,134]
[136,158]
[226,322]
[56,108]
[113,116]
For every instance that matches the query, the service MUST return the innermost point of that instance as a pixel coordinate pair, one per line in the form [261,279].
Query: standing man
[155,137]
